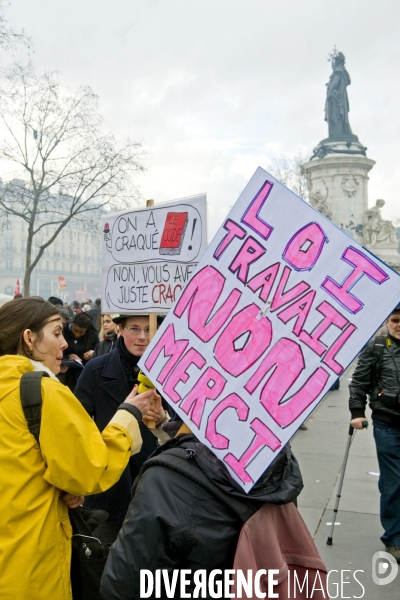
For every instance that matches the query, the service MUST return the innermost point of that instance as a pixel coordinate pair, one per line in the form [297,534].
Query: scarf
[129,361]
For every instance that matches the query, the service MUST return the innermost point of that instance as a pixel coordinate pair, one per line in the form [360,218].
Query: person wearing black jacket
[108,335]
[82,338]
[187,513]
[378,375]
[101,388]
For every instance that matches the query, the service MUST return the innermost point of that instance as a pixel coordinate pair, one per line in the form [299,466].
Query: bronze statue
[337,103]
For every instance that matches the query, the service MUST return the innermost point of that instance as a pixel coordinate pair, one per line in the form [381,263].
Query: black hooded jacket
[187,513]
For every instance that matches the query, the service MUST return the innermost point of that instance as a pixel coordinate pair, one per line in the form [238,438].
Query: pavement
[356,538]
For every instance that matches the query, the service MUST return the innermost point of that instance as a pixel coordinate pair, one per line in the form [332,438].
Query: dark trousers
[387,440]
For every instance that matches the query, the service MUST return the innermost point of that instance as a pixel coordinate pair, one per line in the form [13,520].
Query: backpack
[89,555]
[380,343]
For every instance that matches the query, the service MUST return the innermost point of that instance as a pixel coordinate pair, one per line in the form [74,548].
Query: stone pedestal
[338,184]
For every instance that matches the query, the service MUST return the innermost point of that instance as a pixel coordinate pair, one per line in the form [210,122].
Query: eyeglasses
[138,330]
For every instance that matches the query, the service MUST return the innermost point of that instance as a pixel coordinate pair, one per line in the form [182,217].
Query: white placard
[150,254]
[281,302]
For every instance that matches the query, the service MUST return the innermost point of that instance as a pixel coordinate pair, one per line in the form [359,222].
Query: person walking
[378,375]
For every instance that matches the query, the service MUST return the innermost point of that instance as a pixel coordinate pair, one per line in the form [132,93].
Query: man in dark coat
[102,387]
[378,375]
[95,314]
[187,513]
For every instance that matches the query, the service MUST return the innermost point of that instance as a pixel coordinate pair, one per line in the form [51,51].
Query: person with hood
[40,482]
[187,513]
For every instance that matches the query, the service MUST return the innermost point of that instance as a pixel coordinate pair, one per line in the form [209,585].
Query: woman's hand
[142,401]
[72,501]
[156,412]
[88,355]
[73,357]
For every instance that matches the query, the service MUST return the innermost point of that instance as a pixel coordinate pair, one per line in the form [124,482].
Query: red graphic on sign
[173,233]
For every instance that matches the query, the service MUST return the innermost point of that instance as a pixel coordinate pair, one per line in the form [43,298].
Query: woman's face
[77,331]
[47,347]
[108,324]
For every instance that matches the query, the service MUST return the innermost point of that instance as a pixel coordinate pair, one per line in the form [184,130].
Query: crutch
[346,455]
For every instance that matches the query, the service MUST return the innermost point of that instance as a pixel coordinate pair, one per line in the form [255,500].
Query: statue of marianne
[337,103]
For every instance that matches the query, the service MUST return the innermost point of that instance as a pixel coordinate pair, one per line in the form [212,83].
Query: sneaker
[394,551]
[305,428]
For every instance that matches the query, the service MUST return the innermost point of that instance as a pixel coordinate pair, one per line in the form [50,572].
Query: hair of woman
[84,320]
[15,317]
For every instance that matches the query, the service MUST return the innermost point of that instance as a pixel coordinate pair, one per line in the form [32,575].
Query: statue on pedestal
[377,231]
[337,103]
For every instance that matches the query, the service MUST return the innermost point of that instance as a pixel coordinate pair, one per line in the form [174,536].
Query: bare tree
[57,162]
[9,37]
[290,172]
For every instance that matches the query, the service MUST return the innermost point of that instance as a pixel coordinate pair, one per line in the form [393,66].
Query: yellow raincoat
[35,531]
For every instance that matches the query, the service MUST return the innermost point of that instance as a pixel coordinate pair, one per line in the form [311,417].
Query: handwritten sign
[279,305]
[150,254]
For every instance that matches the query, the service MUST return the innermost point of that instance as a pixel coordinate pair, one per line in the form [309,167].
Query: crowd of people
[169,502]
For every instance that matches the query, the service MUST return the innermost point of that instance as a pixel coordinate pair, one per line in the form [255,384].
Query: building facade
[75,255]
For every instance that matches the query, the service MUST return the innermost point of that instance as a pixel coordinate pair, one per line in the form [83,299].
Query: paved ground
[320,452]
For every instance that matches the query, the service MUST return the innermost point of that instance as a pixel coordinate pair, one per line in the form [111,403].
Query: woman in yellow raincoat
[37,484]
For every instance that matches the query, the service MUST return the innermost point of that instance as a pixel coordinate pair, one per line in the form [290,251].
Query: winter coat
[374,375]
[187,513]
[76,346]
[101,388]
[73,456]
[105,346]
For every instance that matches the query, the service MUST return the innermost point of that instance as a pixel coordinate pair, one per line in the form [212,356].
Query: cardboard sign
[150,254]
[280,304]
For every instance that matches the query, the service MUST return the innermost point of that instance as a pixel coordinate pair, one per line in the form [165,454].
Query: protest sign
[150,254]
[279,305]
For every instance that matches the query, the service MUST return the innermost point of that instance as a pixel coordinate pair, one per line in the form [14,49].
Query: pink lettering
[263,438]
[329,358]
[200,297]
[250,251]
[363,265]
[235,231]
[286,361]
[281,297]
[305,247]
[264,281]
[331,317]
[171,348]
[299,309]
[216,439]
[243,341]
[251,216]
[192,357]
[285,413]
[209,386]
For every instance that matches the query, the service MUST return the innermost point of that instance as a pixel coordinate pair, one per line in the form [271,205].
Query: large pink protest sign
[279,305]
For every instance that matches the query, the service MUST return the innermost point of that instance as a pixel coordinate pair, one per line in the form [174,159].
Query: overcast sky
[215,88]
